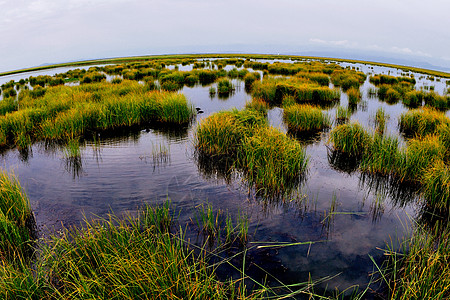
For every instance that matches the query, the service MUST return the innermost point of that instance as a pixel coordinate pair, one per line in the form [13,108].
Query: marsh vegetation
[275,131]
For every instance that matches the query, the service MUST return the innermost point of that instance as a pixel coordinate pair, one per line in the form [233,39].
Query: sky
[36,32]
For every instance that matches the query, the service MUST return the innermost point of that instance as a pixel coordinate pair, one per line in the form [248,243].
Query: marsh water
[348,218]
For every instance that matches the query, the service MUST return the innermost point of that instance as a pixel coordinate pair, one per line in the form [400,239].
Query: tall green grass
[436,182]
[351,139]
[270,161]
[354,96]
[421,269]
[382,156]
[305,118]
[68,112]
[17,227]
[421,122]
[222,133]
[380,120]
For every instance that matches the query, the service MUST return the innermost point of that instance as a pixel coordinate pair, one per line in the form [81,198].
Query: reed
[305,118]
[351,139]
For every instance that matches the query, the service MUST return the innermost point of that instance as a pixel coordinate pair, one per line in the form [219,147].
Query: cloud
[343,43]
[409,51]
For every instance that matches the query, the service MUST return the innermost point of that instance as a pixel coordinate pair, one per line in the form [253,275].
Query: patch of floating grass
[305,93]
[382,157]
[418,157]
[270,160]
[305,118]
[224,87]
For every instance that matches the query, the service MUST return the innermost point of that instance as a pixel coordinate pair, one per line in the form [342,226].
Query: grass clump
[382,157]
[305,118]
[354,96]
[222,133]
[380,120]
[418,157]
[421,122]
[305,92]
[351,139]
[272,161]
[257,105]
[436,185]
[343,114]
[265,90]
[224,87]
[65,112]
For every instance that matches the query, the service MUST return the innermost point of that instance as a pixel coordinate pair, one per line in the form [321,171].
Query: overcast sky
[36,32]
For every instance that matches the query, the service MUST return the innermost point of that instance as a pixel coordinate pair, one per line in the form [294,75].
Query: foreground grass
[422,270]
[133,257]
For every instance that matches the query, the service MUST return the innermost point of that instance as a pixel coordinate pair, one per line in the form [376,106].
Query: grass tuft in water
[421,122]
[351,139]
[305,118]
[380,120]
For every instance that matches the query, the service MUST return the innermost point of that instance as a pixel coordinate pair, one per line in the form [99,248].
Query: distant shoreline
[223,55]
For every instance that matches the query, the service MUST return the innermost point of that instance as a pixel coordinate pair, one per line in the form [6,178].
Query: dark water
[120,173]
